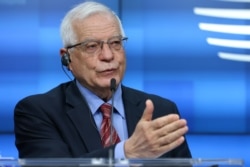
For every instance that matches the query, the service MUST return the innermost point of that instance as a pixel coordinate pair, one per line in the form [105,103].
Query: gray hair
[82,11]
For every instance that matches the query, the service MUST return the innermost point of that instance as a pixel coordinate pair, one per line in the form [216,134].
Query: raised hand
[152,138]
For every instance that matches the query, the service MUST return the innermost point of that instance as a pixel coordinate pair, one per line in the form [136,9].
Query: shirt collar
[95,102]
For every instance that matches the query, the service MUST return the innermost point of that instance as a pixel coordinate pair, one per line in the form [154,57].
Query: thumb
[148,111]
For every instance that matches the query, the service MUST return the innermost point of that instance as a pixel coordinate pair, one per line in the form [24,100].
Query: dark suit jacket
[60,124]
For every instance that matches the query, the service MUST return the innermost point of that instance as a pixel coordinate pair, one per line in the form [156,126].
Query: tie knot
[106,110]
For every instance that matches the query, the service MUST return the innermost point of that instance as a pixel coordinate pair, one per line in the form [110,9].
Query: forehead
[97,26]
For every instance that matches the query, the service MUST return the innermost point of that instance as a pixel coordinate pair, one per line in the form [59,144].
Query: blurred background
[194,52]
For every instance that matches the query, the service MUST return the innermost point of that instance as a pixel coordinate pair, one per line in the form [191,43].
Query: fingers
[148,111]
[171,126]
[172,136]
[169,132]
[152,138]
[166,130]
[162,121]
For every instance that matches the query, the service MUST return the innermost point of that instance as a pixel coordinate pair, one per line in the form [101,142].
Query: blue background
[167,55]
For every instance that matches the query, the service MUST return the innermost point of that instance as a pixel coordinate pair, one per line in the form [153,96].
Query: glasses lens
[115,43]
[91,47]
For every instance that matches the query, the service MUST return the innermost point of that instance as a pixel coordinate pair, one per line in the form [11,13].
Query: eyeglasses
[92,46]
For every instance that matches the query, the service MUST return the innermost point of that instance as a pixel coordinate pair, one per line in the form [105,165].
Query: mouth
[108,68]
[108,71]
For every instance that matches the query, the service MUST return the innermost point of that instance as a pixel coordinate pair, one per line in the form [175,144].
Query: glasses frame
[108,42]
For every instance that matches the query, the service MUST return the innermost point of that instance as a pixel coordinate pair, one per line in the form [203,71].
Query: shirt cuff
[119,150]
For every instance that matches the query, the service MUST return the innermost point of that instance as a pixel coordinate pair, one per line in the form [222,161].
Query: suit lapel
[134,107]
[81,117]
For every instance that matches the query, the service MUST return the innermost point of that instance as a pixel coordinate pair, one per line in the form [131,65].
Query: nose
[106,52]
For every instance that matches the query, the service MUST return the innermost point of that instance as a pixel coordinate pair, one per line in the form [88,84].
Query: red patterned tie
[106,127]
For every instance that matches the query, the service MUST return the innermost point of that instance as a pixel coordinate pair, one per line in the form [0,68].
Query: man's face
[95,68]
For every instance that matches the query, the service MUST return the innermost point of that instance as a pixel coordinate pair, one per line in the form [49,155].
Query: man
[67,120]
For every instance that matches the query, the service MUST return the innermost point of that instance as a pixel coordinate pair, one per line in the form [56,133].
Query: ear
[65,58]
[63,51]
